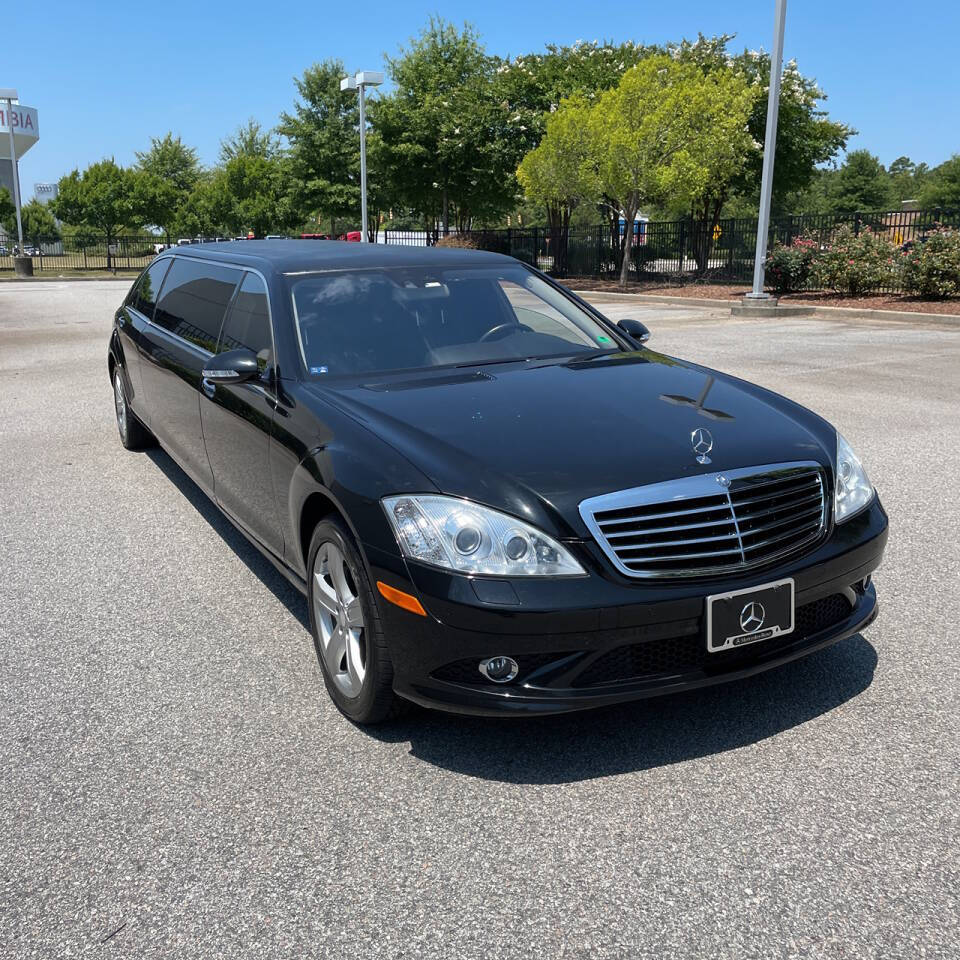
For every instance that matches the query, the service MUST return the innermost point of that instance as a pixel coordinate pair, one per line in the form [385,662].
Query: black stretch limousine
[495,499]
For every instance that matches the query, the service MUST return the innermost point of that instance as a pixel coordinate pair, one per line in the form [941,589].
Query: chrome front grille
[711,524]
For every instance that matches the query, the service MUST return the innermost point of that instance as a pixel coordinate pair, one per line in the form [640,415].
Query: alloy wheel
[120,402]
[339,619]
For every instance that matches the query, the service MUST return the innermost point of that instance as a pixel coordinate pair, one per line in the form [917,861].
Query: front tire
[133,434]
[345,623]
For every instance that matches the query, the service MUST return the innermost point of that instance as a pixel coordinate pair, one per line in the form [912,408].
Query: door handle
[209,387]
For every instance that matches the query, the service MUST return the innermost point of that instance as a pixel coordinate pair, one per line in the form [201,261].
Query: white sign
[26,128]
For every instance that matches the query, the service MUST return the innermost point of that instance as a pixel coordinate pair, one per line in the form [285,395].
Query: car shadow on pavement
[649,733]
[271,578]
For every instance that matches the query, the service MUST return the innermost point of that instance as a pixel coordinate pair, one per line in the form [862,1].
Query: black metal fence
[677,250]
[78,254]
[682,250]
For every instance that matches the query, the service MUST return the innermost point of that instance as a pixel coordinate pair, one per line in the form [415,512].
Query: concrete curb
[128,277]
[796,310]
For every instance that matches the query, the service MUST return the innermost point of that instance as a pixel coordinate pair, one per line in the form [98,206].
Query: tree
[658,133]
[249,140]
[251,192]
[534,85]
[560,173]
[806,136]
[907,178]
[7,208]
[170,170]
[155,200]
[205,209]
[170,159]
[942,187]
[38,222]
[441,138]
[101,198]
[324,136]
[860,184]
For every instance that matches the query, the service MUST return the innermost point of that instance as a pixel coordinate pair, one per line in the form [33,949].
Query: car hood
[536,438]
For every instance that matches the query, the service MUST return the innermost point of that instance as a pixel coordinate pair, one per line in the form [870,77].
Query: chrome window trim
[700,485]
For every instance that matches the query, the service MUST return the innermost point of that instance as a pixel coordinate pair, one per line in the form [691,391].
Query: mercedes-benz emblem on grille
[702,442]
[752,617]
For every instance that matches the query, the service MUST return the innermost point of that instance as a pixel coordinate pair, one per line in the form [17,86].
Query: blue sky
[106,77]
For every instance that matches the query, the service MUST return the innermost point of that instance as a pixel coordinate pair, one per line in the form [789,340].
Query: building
[44,192]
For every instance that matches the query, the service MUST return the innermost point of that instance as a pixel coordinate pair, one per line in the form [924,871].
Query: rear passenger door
[237,419]
[175,347]
[135,317]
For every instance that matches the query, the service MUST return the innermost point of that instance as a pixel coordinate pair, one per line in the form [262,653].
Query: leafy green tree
[861,183]
[533,86]
[7,209]
[907,178]
[942,187]
[560,173]
[251,192]
[442,141]
[249,140]
[101,199]
[172,160]
[205,209]
[806,136]
[38,222]
[324,136]
[170,171]
[661,131]
[155,200]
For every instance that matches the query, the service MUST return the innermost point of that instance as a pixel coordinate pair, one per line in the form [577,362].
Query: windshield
[367,321]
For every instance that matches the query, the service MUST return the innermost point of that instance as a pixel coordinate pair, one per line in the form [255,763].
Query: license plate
[741,617]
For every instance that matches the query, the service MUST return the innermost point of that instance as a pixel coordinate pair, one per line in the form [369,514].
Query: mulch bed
[723,291]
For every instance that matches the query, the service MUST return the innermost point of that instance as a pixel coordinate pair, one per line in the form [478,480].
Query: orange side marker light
[401,599]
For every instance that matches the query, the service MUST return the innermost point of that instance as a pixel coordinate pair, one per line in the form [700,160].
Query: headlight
[853,491]
[463,536]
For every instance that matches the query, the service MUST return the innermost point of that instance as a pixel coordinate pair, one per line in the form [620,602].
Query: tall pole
[769,149]
[15,176]
[363,166]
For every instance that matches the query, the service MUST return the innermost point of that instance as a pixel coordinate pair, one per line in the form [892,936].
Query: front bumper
[603,639]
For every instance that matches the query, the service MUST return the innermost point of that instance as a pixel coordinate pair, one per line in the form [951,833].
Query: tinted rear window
[194,300]
[144,295]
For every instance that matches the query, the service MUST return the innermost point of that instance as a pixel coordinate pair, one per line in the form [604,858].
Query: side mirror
[635,330]
[234,366]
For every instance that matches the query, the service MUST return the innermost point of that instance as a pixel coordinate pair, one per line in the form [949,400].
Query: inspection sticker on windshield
[323,369]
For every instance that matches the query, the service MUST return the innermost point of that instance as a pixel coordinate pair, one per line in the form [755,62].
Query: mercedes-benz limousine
[495,499]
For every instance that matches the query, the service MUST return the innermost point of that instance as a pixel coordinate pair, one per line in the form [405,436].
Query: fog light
[499,669]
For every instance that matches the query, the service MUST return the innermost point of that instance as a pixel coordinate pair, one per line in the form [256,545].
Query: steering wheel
[499,331]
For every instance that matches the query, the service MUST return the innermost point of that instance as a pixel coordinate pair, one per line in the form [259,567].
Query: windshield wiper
[487,363]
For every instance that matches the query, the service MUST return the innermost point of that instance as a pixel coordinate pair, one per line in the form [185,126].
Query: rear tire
[347,632]
[133,434]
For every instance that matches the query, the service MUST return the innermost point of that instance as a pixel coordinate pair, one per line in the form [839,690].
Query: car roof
[304,256]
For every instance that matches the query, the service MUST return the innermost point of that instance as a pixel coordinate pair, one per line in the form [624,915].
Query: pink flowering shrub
[931,268]
[788,267]
[856,264]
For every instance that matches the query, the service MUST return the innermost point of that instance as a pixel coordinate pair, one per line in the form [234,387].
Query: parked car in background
[495,499]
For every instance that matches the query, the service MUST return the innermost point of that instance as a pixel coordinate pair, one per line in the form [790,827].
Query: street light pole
[14,173]
[364,79]
[363,166]
[769,149]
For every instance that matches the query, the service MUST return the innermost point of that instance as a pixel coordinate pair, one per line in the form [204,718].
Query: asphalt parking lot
[177,784]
